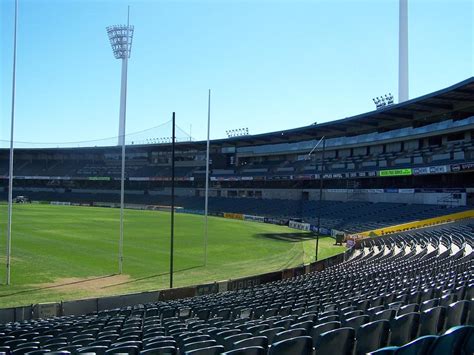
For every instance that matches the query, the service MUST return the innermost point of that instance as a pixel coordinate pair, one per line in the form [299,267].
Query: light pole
[322,140]
[403,51]
[10,167]
[321,177]
[121,37]
[173,140]
[206,192]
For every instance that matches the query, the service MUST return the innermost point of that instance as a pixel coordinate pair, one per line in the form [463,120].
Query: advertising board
[395,172]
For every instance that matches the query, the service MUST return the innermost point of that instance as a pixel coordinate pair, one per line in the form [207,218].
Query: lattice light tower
[121,37]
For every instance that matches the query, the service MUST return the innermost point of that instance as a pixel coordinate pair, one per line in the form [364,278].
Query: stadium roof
[454,102]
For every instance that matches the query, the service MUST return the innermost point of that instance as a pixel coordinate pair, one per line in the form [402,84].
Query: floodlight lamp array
[381,102]
[121,38]
[237,132]
[158,140]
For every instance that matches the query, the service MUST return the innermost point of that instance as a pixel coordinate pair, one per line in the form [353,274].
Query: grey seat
[457,313]
[260,341]
[340,341]
[211,350]
[287,334]
[356,322]
[404,329]
[252,350]
[372,336]
[317,330]
[298,345]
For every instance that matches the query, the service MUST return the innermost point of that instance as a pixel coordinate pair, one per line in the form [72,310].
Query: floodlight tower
[121,37]
[403,52]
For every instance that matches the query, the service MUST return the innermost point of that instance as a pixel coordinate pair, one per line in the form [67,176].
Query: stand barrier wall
[418,224]
[92,305]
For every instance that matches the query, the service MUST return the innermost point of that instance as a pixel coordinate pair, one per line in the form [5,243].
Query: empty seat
[404,329]
[284,323]
[270,333]
[164,350]
[451,342]
[429,304]
[299,345]
[257,328]
[372,336]
[260,341]
[354,313]
[432,321]
[306,325]
[287,334]
[199,345]
[409,308]
[388,350]
[70,348]
[328,319]
[14,343]
[387,314]
[337,341]
[159,343]
[195,338]
[356,322]
[448,299]
[468,346]
[317,330]
[24,350]
[229,341]
[252,350]
[457,313]
[98,350]
[211,350]
[418,346]
[131,350]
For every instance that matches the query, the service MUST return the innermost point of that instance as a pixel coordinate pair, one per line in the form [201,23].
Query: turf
[62,245]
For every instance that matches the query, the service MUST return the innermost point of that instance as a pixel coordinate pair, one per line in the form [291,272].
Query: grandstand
[408,161]
[412,292]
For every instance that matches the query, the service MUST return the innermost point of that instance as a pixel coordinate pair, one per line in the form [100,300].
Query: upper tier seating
[361,159]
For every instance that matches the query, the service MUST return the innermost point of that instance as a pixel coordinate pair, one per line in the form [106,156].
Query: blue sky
[271,65]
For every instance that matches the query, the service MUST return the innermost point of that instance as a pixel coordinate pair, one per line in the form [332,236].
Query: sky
[270,64]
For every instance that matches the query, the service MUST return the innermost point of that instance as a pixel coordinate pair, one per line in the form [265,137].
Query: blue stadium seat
[298,345]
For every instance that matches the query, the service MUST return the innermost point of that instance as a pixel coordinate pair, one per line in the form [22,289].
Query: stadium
[352,236]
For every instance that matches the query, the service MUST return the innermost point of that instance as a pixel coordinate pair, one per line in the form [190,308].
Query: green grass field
[66,252]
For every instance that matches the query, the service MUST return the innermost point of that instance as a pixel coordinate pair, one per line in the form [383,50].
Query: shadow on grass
[153,276]
[33,290]
[56,286]
[287,237]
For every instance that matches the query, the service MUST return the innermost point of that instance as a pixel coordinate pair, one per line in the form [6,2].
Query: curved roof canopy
[454,102]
